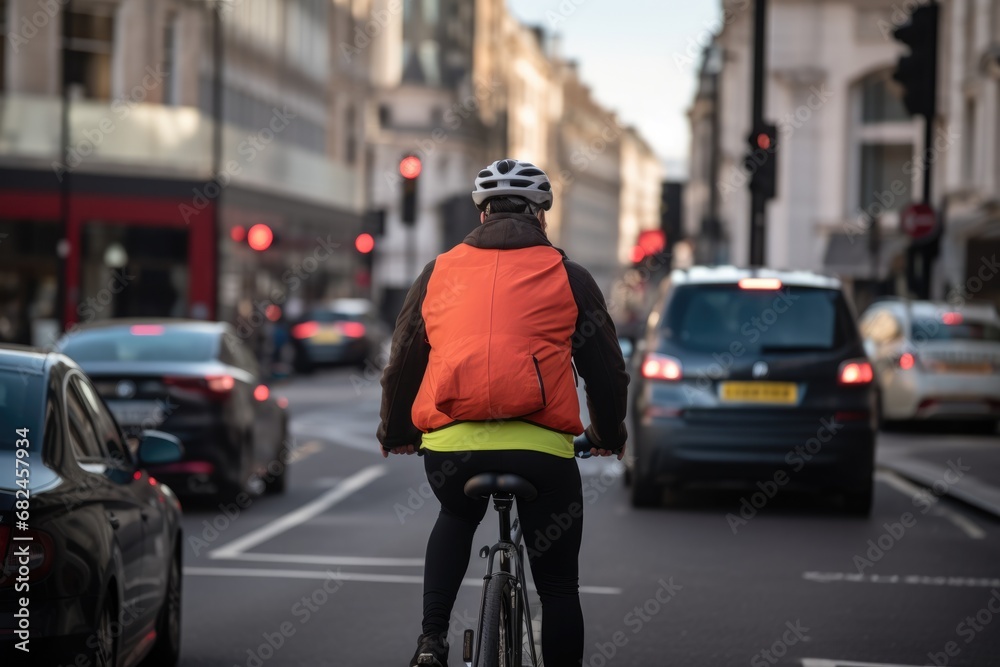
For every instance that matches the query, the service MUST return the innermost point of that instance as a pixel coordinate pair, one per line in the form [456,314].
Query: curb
[968,490]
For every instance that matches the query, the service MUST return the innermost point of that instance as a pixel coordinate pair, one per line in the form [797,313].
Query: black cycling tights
[552,525]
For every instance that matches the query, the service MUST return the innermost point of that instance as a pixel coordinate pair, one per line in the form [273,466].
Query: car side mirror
[159,447]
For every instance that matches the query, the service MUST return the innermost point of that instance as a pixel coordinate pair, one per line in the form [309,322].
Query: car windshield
[711,318]
[141,343]
[925,329]
[20,404]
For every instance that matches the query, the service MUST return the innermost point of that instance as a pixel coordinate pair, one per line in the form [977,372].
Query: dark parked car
[752,376]
[102,574]
[346,332]
[198,381]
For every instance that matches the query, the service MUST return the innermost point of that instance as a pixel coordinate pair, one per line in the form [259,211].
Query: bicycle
[504,612]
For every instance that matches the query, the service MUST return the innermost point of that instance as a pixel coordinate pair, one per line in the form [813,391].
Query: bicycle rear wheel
[499,639]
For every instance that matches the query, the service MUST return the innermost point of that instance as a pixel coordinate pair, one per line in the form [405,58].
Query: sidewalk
[965,467]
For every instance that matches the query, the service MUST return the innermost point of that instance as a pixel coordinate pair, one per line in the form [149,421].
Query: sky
[640,58]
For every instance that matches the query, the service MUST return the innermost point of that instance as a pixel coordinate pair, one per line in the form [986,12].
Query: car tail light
[38,560]
[305,330]
[146,330]
[261,392]
[213,386]
[857,371]
[351,329]
[661,367]
[282,402]
[951,318]
[760,283]
[907,361]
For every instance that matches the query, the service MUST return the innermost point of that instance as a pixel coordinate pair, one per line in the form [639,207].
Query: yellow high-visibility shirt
[494,436]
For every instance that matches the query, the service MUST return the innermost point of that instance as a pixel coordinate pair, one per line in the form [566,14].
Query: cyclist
[481,377]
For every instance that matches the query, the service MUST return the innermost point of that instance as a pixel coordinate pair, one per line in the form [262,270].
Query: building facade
[849,156]
[185,126]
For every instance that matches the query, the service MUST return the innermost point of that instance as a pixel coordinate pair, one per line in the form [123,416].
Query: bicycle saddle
[486,484]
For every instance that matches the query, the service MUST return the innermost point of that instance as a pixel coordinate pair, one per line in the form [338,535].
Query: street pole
[758,227]
[217,127]
[63,248]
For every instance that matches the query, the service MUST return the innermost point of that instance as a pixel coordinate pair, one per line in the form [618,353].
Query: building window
[969,143]
[91,33]
[170,60]
[351,133]
[879,101]
[883,140]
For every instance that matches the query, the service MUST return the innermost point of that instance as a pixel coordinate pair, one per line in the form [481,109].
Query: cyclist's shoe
[432,651]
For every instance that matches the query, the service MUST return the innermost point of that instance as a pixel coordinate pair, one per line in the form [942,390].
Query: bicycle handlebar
[582,446]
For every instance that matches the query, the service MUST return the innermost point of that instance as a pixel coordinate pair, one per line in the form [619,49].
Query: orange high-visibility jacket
[490,331]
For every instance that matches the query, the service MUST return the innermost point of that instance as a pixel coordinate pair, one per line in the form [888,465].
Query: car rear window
[21,399]
[153,344]
[711,318]
[925,329]
[326,316]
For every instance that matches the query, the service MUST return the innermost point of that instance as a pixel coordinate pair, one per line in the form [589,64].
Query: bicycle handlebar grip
[582,446]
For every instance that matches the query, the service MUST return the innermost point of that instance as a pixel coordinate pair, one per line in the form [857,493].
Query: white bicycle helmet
[513,178]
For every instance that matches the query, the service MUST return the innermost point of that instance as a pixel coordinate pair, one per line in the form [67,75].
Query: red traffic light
[365,243]
[410,167]
[260,237]
[763,141]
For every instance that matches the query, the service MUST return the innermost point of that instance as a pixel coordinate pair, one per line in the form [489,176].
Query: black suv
[752,376]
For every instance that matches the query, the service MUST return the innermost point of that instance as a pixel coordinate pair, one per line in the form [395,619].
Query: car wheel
[167,650]
[858,502]
[276,484]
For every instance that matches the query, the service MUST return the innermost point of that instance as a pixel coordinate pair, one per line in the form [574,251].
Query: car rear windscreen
[925,329]
[714,318]
[21,400]
[165,344]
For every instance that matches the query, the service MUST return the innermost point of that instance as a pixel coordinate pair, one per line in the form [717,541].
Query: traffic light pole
[758,223]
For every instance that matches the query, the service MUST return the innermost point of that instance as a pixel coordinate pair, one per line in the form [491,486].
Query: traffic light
[917,71]
[260,237]
[410,168]
[365,245]
[761,161]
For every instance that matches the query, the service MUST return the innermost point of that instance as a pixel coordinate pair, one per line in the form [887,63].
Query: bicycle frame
[511,553]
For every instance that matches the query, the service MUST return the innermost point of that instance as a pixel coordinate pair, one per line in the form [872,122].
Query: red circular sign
[918,220]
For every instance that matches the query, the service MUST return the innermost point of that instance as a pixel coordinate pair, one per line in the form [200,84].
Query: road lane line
[821,662]
[305,559]
[915,492]
[353,576]
[906,579]
[302,514]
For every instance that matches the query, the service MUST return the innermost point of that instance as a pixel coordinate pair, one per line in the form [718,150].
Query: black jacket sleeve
[404,373]
[598,358]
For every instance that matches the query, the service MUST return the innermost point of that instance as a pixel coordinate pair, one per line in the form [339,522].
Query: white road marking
[820,662]
[906,579]
[915,492]
[305,450]
[302,514]
[307,559]
[353,576]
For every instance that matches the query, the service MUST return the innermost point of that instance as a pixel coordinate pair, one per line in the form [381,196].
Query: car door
[115,493]
[157,544]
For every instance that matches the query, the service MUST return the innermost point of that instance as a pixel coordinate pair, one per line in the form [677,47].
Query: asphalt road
[330,573]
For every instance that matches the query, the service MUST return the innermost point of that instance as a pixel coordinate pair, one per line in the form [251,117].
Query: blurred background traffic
[211,212]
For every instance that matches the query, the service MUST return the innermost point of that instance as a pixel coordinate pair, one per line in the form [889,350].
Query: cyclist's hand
[408,449]
[608,452]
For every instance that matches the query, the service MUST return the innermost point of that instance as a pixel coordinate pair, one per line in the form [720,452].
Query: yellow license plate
[971,368]
[326,336]
[776,393]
